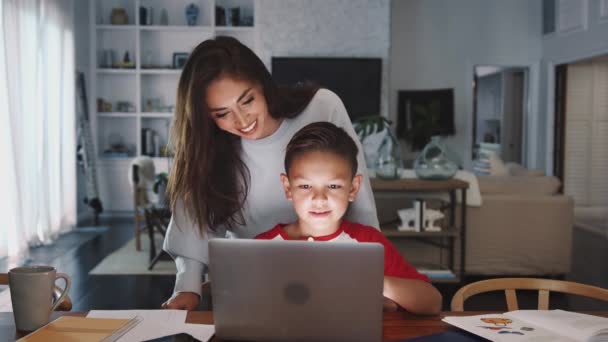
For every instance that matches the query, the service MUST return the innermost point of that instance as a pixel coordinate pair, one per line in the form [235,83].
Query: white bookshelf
[150,85]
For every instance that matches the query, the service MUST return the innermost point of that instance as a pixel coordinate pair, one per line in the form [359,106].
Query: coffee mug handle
[65,290]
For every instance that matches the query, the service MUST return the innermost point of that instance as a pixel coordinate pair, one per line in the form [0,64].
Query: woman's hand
[182,301]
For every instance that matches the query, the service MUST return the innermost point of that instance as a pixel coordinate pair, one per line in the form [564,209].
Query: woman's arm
[190,250]
[413,295]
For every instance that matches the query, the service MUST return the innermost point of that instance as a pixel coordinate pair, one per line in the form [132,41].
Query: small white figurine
[409,220]
[430,218]
[419,218]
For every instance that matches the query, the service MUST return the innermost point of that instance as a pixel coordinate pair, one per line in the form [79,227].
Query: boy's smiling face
[320,184]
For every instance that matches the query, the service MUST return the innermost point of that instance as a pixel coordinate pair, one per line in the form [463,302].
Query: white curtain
[37,123]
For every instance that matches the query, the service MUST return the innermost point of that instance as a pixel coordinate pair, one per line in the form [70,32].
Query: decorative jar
[119,16]
[191,14]
[433,162]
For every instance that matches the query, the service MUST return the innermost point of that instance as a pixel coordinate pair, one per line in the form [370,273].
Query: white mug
[32,290]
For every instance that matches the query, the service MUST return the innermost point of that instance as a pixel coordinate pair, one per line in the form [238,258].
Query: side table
[451,233]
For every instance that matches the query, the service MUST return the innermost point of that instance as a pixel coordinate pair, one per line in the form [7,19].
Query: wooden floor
[76,253]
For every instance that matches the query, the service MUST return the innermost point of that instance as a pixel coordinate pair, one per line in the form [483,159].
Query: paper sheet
[202,332]
[156,324]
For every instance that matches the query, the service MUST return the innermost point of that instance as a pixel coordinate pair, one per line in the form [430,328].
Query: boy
[321,179]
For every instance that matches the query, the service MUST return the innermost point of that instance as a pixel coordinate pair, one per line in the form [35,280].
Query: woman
[231,126]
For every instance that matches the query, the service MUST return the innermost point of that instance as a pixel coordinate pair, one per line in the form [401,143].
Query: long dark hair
[208,174]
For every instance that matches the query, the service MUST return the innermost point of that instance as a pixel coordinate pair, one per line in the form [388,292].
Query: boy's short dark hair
[324,137]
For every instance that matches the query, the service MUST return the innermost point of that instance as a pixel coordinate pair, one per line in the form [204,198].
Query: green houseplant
[160,185]
[381,149]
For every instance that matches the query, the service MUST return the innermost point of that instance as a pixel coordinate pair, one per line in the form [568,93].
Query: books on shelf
[151,144]
[534,325]
[72,328]
[437,274]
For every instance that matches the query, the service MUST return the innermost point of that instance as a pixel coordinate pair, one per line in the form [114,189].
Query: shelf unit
[452,232]
[147,88]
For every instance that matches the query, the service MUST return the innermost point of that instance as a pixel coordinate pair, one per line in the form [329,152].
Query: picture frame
[179,59]
[422,114]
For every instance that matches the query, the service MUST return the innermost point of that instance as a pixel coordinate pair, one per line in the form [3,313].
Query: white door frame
[529,116]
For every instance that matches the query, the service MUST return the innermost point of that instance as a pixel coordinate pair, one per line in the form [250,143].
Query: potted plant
[381,149]
[160,186]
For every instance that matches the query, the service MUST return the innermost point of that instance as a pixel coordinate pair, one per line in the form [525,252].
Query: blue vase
[434,163]
[191,14]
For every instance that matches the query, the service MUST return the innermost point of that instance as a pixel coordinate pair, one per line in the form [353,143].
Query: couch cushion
[515,169]
[518,185]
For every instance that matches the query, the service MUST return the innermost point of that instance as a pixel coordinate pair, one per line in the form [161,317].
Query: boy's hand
[389,305]
[182,301]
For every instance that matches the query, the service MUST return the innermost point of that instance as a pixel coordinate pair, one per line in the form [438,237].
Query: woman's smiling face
[239,107]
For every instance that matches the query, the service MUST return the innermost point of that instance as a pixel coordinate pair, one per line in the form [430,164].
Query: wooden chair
[140,195]
[65,305]
[509,285]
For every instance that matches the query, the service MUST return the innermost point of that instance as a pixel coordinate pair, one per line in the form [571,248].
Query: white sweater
[265,205]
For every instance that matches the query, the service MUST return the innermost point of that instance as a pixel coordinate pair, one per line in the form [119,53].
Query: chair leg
[150,229]
[137,239]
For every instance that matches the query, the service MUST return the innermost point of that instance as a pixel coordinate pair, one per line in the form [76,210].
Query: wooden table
[396,325]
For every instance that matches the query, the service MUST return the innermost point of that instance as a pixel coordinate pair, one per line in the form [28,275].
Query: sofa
[523,227]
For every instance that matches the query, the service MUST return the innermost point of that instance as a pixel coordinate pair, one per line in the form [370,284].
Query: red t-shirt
[394,263]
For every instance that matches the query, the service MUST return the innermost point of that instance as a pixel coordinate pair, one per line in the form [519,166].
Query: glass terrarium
[434,163]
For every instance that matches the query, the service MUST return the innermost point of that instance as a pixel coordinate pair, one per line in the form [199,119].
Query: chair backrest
[509,285]
[141,178]
[65,305]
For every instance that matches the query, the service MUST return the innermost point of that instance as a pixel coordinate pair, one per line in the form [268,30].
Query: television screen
[357,81]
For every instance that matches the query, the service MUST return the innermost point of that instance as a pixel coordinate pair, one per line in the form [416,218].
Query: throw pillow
[497,166]
[489,164]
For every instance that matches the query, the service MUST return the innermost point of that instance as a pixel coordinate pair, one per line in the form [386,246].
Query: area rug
[127,260]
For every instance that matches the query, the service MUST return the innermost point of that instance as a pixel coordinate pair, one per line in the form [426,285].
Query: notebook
[72,328]
[535,325]
[296,290]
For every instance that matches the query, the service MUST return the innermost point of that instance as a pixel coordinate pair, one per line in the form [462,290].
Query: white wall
[327,28]
[577,44]
[565,47]
[436,43]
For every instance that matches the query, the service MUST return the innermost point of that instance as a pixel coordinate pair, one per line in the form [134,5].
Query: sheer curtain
[37,123]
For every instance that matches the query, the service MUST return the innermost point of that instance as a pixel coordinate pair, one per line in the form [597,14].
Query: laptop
[296,290]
